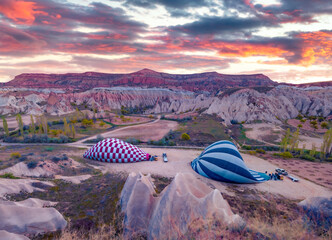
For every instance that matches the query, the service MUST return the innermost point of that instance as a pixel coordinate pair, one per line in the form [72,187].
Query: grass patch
[9,176]
[88,205]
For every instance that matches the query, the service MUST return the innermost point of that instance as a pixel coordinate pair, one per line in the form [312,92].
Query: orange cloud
[317,47]
[20,11]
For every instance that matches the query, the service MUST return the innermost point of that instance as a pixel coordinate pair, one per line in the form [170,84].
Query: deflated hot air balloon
[116,151]
[222,161]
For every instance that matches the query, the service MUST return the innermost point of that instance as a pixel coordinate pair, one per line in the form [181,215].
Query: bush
[49,149]
[64,157]
[234,121]
[55,159]
[63,139]
[324,125]
[8,175]
[259,150]
[300,125]
[251,152]
[303,120]
[284,155]
[32,164]
[15,155]
[246,147]
[23,158]
[86,122]
[102,124]
[308,157]
[185,137]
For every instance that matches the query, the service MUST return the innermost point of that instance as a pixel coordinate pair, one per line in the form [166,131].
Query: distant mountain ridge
[209,81]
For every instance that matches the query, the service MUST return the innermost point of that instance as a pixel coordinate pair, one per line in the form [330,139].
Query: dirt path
[179,161]
[147,131]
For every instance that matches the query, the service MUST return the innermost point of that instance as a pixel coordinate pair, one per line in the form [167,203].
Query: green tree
[313,150]
[66,127]
[5,126]
[294,140]
[73,130]
[32,125]
[285,141]
[44,124]
[326,149]
[302,150]
[20,123]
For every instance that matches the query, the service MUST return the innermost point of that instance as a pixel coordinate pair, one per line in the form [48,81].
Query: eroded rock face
[246,104]
[30,217]
[210,81]
[10,186]
[183,203]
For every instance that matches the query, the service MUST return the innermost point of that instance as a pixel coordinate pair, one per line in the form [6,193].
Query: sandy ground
[147,131]
[179,161]
[12,122]
[261,130]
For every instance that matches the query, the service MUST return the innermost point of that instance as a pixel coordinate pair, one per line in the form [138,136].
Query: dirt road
[147,131]
[179,161]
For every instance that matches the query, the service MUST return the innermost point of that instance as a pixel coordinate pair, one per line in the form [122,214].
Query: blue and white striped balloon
[222,161]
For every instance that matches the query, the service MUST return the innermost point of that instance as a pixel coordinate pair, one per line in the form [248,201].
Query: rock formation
[30,217]
[210,81]
[174,212]
[232,97]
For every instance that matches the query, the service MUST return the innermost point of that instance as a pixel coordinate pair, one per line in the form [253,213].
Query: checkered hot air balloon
[116,151]
[222,161]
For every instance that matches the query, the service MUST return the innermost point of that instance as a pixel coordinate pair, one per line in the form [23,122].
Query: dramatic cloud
[167,35]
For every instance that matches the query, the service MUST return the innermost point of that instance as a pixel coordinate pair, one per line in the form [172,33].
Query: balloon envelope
[116,151]
[222,161]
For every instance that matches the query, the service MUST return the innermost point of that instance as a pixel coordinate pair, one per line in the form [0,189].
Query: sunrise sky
[287,40]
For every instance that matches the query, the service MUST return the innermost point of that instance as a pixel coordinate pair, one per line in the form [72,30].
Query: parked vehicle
[165,157]
[281,171]
[294,179]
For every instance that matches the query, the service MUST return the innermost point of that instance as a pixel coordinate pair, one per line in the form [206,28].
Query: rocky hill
[210,81]
[232,97]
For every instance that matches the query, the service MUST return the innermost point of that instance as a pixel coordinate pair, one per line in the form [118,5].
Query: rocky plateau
[232,97]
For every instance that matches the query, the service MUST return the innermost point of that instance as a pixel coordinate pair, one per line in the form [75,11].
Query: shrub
[15,155]
[63,139]
[49,149]
[102,123]
[286,155]
[251,152]
[308,157]
[300,125]
[23,158]
[32,164]
[234,121]
[324,125]
[246,147]
[185,137]
[303,120]
[55,159]
[86,122]
[64,157]
[259,150]
[8,175]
